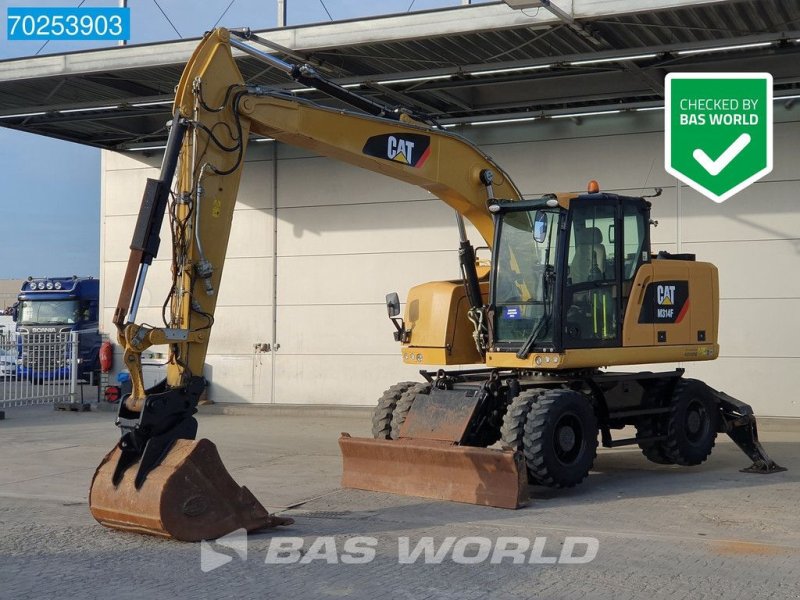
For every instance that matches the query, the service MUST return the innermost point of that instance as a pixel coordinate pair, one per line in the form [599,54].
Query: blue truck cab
[57,305]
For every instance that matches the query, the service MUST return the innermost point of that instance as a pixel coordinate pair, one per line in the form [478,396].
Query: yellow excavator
[572,287]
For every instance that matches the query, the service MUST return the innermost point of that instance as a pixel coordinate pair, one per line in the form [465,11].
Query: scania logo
[43,329]
[406,148]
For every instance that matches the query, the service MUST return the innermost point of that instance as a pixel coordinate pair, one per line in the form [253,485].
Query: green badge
[718,130]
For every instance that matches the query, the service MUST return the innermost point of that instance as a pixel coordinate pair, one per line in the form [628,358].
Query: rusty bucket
[190,497]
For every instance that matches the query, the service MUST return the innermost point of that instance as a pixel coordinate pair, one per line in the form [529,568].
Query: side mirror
[540,226]
[393,304]
[393,308]
[15,312]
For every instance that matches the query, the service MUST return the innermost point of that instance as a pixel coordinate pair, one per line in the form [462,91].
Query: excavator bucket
[430,460]
[433,469]
[189,496]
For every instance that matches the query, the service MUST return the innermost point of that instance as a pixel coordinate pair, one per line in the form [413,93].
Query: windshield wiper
[544,322]
[533,337]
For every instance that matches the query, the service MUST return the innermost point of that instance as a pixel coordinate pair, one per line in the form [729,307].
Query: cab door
[637,272]
[592,287]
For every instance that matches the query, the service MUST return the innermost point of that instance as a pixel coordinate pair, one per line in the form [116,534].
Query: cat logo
[665,295]
[406,148]
[400,150]
[665,302]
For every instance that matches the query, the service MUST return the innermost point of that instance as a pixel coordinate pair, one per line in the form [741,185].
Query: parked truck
[47,311]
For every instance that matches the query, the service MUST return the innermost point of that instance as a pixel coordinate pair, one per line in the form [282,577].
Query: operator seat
[589,262]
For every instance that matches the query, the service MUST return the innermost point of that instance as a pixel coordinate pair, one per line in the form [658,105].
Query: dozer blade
[434,469]
[189,496]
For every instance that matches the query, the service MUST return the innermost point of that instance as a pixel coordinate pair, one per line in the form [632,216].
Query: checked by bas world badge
[718,130]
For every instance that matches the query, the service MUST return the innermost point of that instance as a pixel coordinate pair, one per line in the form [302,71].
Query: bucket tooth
[189,496]
[435,469]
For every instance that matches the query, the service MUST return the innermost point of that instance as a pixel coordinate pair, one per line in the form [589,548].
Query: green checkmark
[715,167]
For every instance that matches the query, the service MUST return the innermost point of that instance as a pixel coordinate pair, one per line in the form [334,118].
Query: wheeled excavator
[572,287]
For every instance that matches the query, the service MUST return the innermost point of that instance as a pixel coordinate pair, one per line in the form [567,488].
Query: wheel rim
[568,438]
[696,422]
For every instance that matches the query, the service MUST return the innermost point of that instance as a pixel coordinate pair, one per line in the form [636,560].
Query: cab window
[591,293]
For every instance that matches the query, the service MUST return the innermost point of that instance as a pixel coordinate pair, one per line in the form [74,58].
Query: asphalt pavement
[633,529]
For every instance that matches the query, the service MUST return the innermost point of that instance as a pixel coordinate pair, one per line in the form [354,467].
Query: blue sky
[51,209]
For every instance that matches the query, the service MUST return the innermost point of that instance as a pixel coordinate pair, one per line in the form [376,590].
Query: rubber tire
[404,405]
[512,432]
[656,425]
[513,429]
[384,411]
[679,445]
[654,451]
[545,414]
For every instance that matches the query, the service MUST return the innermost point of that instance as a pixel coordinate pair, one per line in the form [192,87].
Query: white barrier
[39,368]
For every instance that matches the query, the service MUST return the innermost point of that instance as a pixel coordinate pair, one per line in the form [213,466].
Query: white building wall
[339,238]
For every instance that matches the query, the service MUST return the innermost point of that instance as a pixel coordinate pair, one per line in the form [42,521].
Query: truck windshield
[522,291]
[39,312]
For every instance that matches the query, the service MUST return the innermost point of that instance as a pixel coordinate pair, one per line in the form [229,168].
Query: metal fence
[39,368]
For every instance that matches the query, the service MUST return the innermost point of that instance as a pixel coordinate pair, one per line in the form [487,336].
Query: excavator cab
[576,260]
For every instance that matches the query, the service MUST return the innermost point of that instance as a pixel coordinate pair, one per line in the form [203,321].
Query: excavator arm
[215,112]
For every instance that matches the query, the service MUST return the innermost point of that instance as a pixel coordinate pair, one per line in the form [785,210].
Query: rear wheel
[693,423]
[656,425]
[404,405]
[384,411]
[560,439]
[653,451]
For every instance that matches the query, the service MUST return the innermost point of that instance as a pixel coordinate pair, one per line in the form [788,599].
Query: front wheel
[560,440]
[384,411]
[512,433]
[404,404]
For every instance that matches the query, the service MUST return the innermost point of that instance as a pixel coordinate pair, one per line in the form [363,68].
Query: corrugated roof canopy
[465,64]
